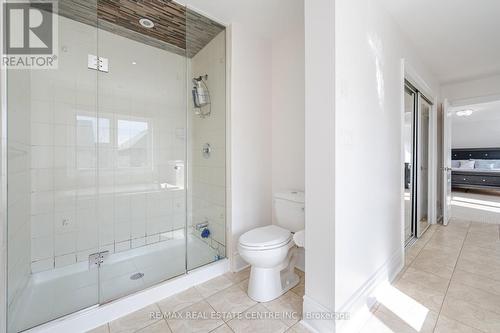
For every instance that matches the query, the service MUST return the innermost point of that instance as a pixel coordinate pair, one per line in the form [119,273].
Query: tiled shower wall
[18,177]
[108,149]
[208,182]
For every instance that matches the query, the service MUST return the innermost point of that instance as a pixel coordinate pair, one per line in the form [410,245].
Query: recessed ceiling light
[134,63]
[146,23]
[464,113]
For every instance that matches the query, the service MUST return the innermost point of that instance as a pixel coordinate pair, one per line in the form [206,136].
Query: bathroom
[167,131]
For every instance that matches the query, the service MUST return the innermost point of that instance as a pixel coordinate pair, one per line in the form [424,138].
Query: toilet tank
[289,210]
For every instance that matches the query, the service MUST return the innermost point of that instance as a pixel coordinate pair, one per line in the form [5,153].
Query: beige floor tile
[453,251]
[237,277]
[213,286]
[427,264]
[484,227]
[384,321]
[412,252]
[448,233]
[180,300]
[471,315]
[134,321]
[480,239]
[426,279]
[231,301]
[449,240]
[479,251]
[477,281]
[243,285]
[428,297]
[482,299]
[298,328]
[256,319]
[472,266]
[100,329]
[288,306]
[457,223]
[159,327]
[447,325]
[199,317]
[300,273]
[222,329]
[299,289]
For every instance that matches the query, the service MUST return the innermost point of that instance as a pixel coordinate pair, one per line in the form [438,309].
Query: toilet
[272,250]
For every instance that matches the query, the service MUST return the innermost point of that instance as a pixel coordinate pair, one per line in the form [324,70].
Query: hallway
[450,283]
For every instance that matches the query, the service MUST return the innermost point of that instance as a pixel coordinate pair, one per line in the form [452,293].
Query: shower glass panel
[52,180]
[116,181]
[206,51]
[424,109]
[141,160]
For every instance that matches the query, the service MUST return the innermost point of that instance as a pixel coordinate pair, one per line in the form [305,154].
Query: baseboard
[311,313]
[360,303]
[96,316]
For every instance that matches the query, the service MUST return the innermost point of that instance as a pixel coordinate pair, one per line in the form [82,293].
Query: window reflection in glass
[133,141]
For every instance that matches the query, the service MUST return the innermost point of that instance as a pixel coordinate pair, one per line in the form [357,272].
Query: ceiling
[275,17]
[175,29]
[481,112]
[457,39]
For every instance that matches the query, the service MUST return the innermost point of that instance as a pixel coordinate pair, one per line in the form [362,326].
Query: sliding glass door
[409,138]
[423,137]
[417,111]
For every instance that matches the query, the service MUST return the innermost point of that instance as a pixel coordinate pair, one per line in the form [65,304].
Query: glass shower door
[206,112]
[52,180]
[141,160]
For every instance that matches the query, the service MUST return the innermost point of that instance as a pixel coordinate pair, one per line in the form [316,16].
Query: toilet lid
[267,236]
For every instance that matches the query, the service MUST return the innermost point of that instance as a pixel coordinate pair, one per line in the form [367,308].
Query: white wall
[251,150]
[481,87]
[320,161]
[368,125]
[476,134]
[288,110]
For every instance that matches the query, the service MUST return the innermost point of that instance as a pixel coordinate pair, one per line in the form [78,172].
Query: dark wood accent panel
[176,29]
[475,154]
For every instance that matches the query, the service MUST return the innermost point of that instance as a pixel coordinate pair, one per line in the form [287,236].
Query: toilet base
[266,284]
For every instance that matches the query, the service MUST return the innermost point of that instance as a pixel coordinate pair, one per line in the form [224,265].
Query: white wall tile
[42,247]
[65,243]
[65,260]
[42,265]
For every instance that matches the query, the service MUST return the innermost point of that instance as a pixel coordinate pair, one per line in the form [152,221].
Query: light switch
[92,61]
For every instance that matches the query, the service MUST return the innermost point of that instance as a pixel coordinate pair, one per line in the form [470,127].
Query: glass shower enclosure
[116,172]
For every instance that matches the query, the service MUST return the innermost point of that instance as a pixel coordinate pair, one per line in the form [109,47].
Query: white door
[446,162]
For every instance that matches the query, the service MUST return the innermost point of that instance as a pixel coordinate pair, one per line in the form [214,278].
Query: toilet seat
[265,238]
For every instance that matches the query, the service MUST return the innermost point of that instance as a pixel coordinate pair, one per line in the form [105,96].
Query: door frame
[408,73]
[449,106]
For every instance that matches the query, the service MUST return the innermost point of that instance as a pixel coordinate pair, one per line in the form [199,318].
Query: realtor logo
[29,34]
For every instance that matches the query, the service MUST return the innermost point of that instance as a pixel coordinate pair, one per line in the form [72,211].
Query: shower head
[200,78]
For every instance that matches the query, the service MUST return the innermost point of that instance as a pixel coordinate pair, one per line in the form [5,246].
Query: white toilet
[271,250]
